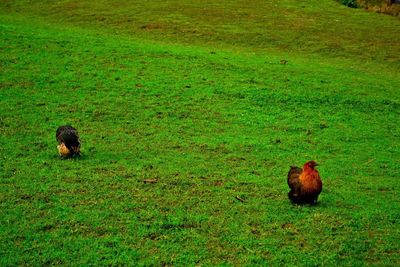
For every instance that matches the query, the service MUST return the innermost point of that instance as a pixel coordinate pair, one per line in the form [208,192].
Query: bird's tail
[294,198]
[72,142]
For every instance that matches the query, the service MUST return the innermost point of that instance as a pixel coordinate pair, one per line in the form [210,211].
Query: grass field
[194,96]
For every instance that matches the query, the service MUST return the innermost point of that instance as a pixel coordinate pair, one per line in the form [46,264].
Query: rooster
[305,184]
[68,141]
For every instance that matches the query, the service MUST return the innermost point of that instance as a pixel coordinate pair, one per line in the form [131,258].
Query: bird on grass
[68,141]
[305,184]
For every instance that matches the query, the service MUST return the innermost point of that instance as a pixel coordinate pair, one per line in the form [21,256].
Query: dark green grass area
[209,124]
[325,28]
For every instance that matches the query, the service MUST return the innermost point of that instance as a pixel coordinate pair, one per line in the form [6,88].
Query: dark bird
[68,141]
[305,184]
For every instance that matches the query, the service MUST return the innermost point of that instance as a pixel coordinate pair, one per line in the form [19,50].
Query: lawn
[195,97]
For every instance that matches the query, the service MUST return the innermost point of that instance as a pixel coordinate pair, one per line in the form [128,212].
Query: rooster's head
[311,164]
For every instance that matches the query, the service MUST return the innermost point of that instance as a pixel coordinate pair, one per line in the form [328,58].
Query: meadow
[213,102]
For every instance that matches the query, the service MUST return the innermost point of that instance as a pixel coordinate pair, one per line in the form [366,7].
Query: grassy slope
[209,127]
[306,27]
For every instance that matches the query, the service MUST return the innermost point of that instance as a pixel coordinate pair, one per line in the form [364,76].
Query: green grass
[211,117]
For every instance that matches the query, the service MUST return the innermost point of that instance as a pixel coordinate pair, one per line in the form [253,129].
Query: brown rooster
[305,184]
[68,140]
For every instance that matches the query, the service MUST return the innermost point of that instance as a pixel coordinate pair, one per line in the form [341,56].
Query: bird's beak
[316,164]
